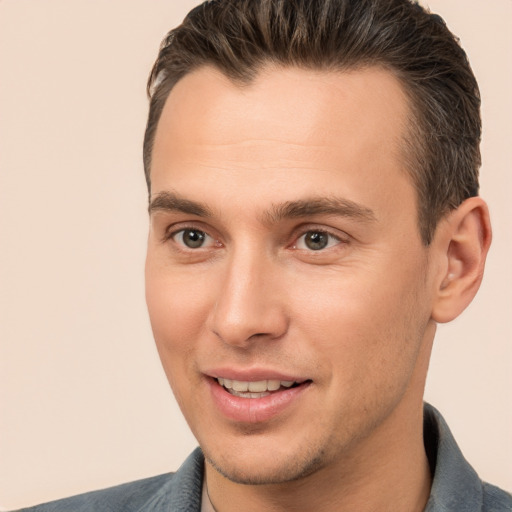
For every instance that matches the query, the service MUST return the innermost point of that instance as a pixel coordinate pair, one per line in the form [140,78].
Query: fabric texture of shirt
[455,487]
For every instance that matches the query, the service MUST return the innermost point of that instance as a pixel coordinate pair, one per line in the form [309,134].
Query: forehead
[288,126]
[297,105]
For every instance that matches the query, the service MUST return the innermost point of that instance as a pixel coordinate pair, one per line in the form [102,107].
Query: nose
[249,305]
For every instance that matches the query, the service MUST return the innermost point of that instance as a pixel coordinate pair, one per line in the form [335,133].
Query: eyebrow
[173,202]
[320,206]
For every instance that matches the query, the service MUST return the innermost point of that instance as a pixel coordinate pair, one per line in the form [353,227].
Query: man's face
[284,248]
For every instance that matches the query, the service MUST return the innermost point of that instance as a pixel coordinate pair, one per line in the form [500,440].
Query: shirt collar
[455,484]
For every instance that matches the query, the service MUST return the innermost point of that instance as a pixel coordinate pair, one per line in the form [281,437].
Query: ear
[462,241]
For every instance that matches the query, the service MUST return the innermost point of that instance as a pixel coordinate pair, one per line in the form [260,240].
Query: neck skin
[388,471]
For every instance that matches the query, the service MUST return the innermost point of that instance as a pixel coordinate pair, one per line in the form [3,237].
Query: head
[311,221]
[240,37]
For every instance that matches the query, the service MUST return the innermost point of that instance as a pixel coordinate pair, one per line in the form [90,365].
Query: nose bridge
[248,304]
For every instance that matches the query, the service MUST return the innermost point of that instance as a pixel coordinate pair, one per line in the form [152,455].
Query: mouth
[256,389]
[256,396]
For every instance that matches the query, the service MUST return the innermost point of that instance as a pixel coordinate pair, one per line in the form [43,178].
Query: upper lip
[253,374]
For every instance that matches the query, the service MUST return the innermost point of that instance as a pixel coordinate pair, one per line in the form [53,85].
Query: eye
[192,238]
[316,240]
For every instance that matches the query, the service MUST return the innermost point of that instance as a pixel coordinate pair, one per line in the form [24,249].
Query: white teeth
[257,387]
[273,385]
[239,385]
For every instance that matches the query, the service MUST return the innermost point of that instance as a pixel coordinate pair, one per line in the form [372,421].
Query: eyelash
[170,235]
[174,234]
[324,232]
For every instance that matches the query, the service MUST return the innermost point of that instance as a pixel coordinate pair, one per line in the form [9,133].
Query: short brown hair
[239,37]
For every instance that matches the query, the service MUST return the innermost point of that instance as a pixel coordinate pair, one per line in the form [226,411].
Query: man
[313,194]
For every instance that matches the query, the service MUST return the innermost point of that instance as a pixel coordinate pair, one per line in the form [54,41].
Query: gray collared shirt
[455,487]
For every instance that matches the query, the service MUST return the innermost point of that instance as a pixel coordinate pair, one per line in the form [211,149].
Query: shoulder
[456,485]
[170,491]
[126,497]
[496,499]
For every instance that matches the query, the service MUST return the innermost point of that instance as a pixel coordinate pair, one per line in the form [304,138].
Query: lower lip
[254,410]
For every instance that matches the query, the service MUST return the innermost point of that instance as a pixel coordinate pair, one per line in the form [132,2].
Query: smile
[254,389]
[256,401]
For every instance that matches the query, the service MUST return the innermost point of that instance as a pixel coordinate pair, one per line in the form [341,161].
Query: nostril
[258,335]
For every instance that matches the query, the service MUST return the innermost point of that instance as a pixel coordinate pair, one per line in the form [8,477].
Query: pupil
[316,240]
[193,239]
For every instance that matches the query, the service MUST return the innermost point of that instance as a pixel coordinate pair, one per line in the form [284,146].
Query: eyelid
[174,229]
[302,241]
[340,236]
[207,239]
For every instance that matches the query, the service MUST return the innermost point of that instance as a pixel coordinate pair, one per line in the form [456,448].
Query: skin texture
[355,319]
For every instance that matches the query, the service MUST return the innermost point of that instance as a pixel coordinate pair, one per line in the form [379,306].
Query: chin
[267,468]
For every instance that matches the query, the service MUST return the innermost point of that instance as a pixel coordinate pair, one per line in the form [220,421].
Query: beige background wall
[83,401]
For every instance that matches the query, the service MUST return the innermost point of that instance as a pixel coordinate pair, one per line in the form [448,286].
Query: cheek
[367,321]
[176,320]
[174,299]
[176,311]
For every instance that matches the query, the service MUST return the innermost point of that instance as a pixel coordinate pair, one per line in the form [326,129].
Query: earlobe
[463,240]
